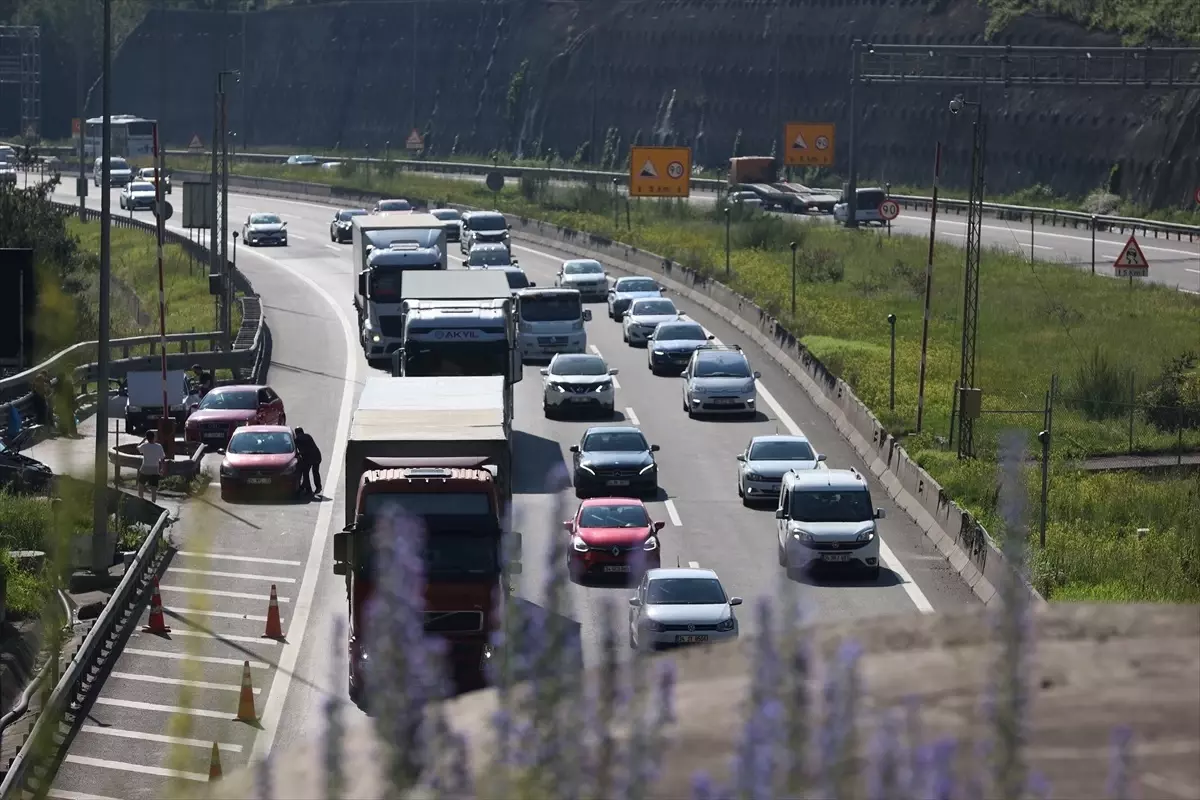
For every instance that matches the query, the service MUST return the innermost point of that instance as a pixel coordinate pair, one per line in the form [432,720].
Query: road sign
[196,145]
[76,127]
[889,209]
[660,171]
[167,209]
[494,181]
[414,141]
[1132,262]
[1198,196]
[808,144]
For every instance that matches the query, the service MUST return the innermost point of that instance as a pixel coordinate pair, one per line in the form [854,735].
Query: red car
[226,408]
[261,458]
[612,535]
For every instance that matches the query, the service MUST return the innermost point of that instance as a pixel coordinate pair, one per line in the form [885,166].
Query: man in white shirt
[153,457]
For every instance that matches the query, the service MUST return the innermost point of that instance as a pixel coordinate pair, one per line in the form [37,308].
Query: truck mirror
[339,568]
[587,315]
[514,544]
[362,284]
[514,568]
[341,552]
[397,362]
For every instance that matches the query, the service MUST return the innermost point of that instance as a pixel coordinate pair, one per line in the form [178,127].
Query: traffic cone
[214,764]
[246,712]
[274,626]
[157,623]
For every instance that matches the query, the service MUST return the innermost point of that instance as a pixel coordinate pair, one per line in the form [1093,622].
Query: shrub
[1100,389]
[1173,402]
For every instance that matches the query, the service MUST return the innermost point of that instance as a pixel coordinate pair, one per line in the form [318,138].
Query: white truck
[551,321]
[385,247]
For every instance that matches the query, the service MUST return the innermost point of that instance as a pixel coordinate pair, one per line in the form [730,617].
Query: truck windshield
[551,308]
[387,282]
[427,359]
[462,534]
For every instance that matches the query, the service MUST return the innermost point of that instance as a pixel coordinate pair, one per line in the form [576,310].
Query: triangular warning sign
[196,144]
[1131,256]
[648,170]
[798,143]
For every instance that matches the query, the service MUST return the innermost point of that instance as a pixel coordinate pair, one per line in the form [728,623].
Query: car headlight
[651,543]
[603,387]
[228,472]
[587,469]
[577,325]
[291,468]
[375,337]
[726,625]
[659,352]
[558,387]
[133,409]
[804,537]
[865,536]
[578,545]
[652,625]
[647,468]
[754,476]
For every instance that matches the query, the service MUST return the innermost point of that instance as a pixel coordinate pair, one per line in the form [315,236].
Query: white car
[578,382]
[138,194]
[681,606]
[644,316]
[718,380]
[147,174]
[626,290]
[825,518]
[767,459]
[585,275]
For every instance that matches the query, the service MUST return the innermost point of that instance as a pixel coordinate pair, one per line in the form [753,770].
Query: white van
[144,400]
[120,173]
[551,322]
[868,207]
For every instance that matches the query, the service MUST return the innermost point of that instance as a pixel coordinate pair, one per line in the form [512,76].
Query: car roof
[717,354]
[237,387]
[680,572]
[483,247]
[780,437]
[581,261]
[264,213]
[483,214]
[263,429]
[394,200]
[827,479]
[654,300]
[612,501]
[613,429]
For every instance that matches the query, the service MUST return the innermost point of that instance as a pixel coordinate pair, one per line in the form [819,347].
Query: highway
[231,554]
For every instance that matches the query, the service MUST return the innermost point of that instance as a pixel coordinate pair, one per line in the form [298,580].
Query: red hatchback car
[612,535]
[261,458]
[226,408]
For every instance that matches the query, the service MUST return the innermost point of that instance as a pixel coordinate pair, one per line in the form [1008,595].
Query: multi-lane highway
[231,554]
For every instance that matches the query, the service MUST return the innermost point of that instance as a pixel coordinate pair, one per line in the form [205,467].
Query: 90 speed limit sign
[889,210]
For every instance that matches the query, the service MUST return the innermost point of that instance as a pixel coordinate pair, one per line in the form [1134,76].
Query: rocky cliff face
[533,75]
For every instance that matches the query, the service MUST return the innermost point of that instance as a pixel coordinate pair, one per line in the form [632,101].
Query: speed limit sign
[889,210]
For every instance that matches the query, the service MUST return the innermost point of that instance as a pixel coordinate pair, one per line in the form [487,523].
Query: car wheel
[741,493]
[625,335]
[226,494]
[580,492]
[781,554]
[632,642]
[547,411]
[610,412]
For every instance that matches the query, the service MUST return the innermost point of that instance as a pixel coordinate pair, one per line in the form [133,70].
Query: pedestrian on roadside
[204,380]
[153,463]
[310,463]
[64,404]
[41,399]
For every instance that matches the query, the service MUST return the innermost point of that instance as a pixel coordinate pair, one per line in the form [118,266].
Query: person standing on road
[310,462]
[203,380]
[153,462]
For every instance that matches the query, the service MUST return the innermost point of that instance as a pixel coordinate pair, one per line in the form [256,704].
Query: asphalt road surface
[231,554]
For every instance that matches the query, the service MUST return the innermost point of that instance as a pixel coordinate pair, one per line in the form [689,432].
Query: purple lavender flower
[1039,787]
[914,767]
[460,782]
[1120,764]
[666,692]
[703,787]
[757,755]
[333,740]
[884,779]
[941,785]
[838,736]
[799,705]
[609,699]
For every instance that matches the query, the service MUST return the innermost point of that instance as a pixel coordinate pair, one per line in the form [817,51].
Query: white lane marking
[224,636]
[298,236]
[632,417]
[196,612]
[140,769]
[596,352]
[1169,785]
[333,247]
[60,794]
[233,662]
[673,513]
[248,559]
[216,593]
[693,565]
[220,687]
[246,576]
[1189,269]
[158,737]
[616,383]
[1014,243]
[138,705]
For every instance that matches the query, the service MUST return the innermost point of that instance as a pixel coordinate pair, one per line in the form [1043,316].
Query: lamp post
[101,552]
[1044,438]
[616,204]
[793,246]
[891,318]
[727,267]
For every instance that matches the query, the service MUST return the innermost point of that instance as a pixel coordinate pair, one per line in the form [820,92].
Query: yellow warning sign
[1131,263]
[808,144]
[660,171]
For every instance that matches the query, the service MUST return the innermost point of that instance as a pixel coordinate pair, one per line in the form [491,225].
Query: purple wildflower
[799,705]
[1120,764]
[1039,787]
[703,787]
[914,768]
[978,783]
[333,740]
[666,692]
[460,782]
[637,753]
[838,736]
[609,698]
[941,784]
[883,779]
[756,760]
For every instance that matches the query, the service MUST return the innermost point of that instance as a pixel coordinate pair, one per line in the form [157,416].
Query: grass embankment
[1035,321]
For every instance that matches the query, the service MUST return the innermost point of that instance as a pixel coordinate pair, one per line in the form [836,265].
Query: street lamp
[616,204]
[891,318]
[727,267]
[1044,438]
[793,246]
[101,551]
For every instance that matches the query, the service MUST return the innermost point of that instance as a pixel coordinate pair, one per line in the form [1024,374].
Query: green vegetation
[1152,22]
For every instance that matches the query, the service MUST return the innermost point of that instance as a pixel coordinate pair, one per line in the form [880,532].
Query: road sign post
[808,144]
[1131,263]
[414,143]
[660,171]
[889,209]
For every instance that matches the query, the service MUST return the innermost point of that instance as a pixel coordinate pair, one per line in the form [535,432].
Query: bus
[132,137]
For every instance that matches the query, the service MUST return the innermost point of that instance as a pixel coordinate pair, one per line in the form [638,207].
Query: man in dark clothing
[310,463]
[203,380]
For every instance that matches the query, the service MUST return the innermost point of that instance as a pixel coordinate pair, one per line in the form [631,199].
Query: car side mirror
[658,526]
[711,337]
[284,225]
[532,285]
[514,568]
[567,524]
[735,601]
[574,448]
[587,315]
[636,602]
[880,513]
[821,456]
[779,513]
[654,448]
[544,370]
[741,457]
[341,548]
[613,371]
[757,375]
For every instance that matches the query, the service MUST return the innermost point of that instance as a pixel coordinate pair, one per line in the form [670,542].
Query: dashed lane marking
[60,794]
[218,593]
[632,417]
[140,769]
[248,559]
[158,737]
[233,662]
[673,513]
[220,687]
[693,565]
[246,576]
[596,352]
[138,705]
[225,637]
[183,613]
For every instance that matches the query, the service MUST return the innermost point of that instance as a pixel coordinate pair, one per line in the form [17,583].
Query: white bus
[132,136]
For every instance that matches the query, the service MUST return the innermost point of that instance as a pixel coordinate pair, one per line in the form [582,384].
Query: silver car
[622,294]
[767,459]
[260,229]
[578,382]
[675,607]
[644,316]
[138,194]
[718,380]
[586,276]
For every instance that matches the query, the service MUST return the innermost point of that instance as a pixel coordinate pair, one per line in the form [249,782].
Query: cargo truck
[438,450]
[385,247]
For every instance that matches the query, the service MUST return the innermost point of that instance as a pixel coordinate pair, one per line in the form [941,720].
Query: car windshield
[446,214]
[636,285]
[118,163]
[264,219]
[723,366]
[273,443]
[653,308]
[225,401]
[141,187]
[582,268]
[675,333]
[303,159]
[831,506]
[870,199]
[516,279]
[349,214]
[488,222]
[684,592]
[558,307]
[788,450]
[394,205]
[579,365]
[489,257]
[629,515]
[615,442]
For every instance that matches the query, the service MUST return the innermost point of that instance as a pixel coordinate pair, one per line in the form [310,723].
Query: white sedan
[578,382]
[681,606]
[644,316]
[138,194]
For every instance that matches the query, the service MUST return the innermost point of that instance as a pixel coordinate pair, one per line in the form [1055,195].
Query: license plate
[618,483]
[581,399]
[214,435]
[691,639]
[620,568]
[154,417]
[835,557]
[258,480]
[724,401]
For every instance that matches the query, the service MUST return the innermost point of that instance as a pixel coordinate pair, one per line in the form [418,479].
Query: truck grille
[453,621]
[391,327]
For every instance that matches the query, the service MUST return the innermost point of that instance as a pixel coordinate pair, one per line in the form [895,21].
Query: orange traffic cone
[274,626]
[157,623]
[246,712]
[214,764]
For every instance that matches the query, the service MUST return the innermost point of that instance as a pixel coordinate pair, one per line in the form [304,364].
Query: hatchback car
[612,535]
[261,228]
[578,382]
[489,255]
[644,316]
[614,460]
[622,294]
[261,458]
[585,275]
[718,380]
[672,344]
[392,206]
[675,607]
[767,459]
[226,408]
[824,517]
[341,227]
[138,194]
[479,227]
[453,222]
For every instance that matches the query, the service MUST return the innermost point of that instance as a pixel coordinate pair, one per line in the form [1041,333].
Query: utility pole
[101,552]
[413,111]
[851,195]
[970,321]
[80,54]
[937,172]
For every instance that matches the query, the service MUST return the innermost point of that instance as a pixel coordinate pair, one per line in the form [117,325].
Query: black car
[615,461]
[672,344]
[453,220]
[21,474]
[340,225]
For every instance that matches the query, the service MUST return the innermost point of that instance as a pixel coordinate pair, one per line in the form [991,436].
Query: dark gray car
[260,229]
[672,344]
[614,461]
